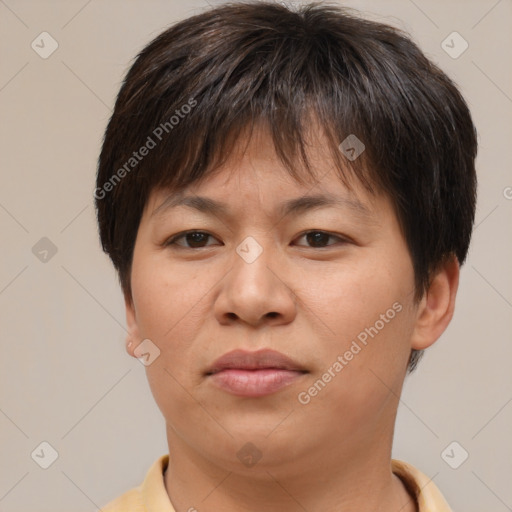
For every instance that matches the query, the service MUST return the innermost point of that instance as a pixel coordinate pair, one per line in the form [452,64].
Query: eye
[319,239]
[196,239]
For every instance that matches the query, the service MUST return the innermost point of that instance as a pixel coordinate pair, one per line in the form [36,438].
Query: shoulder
[149,496]
[428,496]
[130,500]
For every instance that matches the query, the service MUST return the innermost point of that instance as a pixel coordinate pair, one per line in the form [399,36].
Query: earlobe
[436,307]
[132,335]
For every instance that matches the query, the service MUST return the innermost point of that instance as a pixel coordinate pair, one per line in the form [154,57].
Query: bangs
[196,133]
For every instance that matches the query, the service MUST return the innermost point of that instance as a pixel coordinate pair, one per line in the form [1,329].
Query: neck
[328,479]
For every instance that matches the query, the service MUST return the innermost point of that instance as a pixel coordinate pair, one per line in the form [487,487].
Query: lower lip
[254,383]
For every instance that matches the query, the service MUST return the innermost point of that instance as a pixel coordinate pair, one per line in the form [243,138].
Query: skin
[306,300]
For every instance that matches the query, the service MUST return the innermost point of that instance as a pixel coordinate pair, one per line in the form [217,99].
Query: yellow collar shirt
[151,495]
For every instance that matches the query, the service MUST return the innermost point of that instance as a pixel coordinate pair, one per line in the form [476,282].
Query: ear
[436,307]
[133,337]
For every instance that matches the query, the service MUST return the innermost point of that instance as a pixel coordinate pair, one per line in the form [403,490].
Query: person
[287,195]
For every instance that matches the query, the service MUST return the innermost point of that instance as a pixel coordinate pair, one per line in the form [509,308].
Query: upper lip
[244,360]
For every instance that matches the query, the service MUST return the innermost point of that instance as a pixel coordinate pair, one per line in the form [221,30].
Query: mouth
[254,374]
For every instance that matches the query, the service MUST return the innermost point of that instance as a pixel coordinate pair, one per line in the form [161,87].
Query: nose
[256,291]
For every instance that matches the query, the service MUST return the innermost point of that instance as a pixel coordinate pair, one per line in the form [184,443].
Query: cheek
[374,356]
[172,307]
[351,297]
[367,319]
[169,312]
[167,300]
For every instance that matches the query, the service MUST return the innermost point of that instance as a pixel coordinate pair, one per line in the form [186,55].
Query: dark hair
[200,84]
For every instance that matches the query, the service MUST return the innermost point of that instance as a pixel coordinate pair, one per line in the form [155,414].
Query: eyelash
[172,241]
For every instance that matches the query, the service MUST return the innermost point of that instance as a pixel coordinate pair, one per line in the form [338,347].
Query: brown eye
[319,239]
[193,239]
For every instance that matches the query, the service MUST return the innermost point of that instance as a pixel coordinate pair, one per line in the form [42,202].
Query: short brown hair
[204,80]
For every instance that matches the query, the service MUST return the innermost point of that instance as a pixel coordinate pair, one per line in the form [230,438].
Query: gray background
[65,376]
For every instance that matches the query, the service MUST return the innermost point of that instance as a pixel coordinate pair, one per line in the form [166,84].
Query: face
[327,287]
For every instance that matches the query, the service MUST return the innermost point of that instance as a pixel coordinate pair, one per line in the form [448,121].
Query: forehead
[254,173]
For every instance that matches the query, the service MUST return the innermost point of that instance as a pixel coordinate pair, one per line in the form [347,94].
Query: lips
[262,359]
[254,374]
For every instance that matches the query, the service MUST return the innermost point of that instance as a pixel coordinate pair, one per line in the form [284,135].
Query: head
[254,104]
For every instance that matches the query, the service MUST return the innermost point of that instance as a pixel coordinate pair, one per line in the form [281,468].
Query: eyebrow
[295,206]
